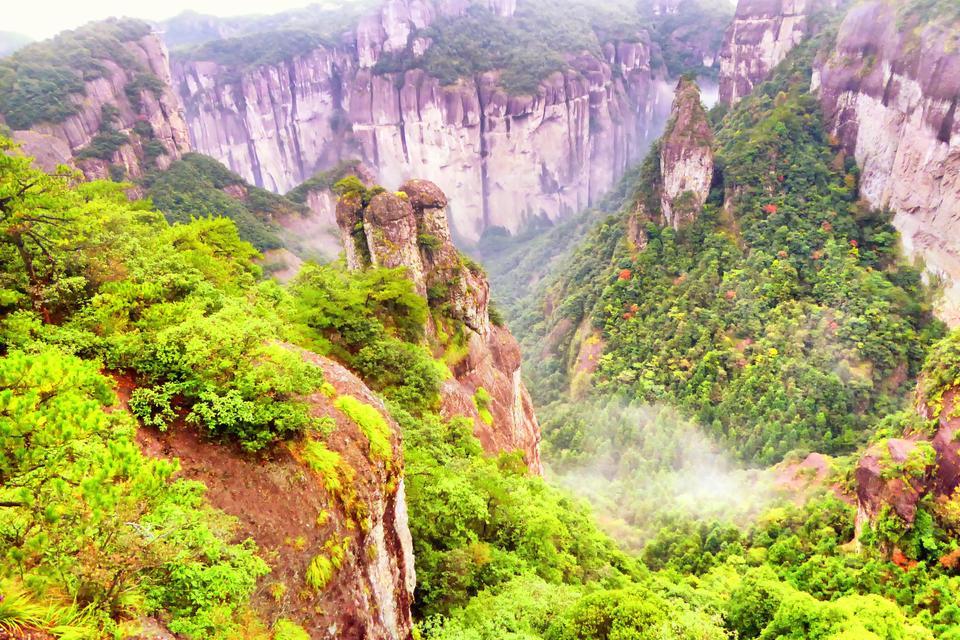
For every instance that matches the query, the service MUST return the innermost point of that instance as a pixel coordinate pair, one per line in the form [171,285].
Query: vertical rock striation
[504,160]
[890,91]
[676,181]
[409,229]
[158,106]
[686,158]
[761,35]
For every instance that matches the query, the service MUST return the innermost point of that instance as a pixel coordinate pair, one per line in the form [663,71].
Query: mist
[643,467]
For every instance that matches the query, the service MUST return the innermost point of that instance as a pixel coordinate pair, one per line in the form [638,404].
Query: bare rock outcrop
[898,472]
[503,159]
[146,113]
[356,521]
[686,157]
[676,187]
[761,35]
[409,229]
[890,91]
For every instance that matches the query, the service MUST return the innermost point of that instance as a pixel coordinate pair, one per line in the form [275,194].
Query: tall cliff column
[676,178]
[391,230]
[465,290]
[686,157]
[350,223]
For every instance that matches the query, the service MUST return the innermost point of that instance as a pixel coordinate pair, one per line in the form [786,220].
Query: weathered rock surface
[899,472]
[676,190]
[286,508]
[890,92]
[409,229]
[502,159]
[58,143]
[761,35]
[686,158]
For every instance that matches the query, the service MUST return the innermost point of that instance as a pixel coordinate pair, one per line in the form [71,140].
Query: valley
[483,319]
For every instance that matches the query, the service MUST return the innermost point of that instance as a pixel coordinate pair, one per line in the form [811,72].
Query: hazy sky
[43,18]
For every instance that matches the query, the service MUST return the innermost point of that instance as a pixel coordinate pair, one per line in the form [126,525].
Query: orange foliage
[951,560]
[625,274]
[901,560]
[770,208]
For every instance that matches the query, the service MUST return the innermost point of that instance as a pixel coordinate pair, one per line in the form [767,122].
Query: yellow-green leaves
[371,423]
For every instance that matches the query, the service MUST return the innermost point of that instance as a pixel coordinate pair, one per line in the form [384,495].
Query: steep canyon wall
[157,106]
[890,90]
[502,159]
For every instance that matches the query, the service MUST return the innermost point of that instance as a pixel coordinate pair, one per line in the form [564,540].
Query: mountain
[760,36]
[98,96]
[391,97]
[890,89]
[700,387]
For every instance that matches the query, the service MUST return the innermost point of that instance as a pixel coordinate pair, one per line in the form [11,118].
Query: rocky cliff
[329,515]
[503,159]
[761,35]
[409,229]
[890,90]
[133,98]
[686,157]
[898,473]
[676,181]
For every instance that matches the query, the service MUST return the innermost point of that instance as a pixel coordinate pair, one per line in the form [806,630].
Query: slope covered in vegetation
[781,321]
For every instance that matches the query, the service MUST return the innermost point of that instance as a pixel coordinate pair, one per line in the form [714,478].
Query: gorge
[476,319]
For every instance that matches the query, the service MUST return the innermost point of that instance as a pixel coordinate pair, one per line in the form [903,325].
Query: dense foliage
[786,326]
[780,321]
[198,186]
[88,521]
[91,281]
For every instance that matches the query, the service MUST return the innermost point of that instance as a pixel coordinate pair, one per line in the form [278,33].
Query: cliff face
[890,94]
[356,522]
[899,472]
[502,159]
[677,183]
[686,158]
[157,106]
[410,229]
[761,35]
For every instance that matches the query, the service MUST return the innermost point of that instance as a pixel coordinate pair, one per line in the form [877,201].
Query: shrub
[284,629]
[481,400]
[372,423]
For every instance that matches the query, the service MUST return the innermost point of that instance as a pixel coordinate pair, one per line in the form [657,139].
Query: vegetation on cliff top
[197,186]
[38,83]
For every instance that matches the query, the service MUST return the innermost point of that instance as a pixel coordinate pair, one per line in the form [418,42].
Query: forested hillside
[782,321]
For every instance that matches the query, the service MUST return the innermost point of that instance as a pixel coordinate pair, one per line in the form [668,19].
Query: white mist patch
[644,466]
